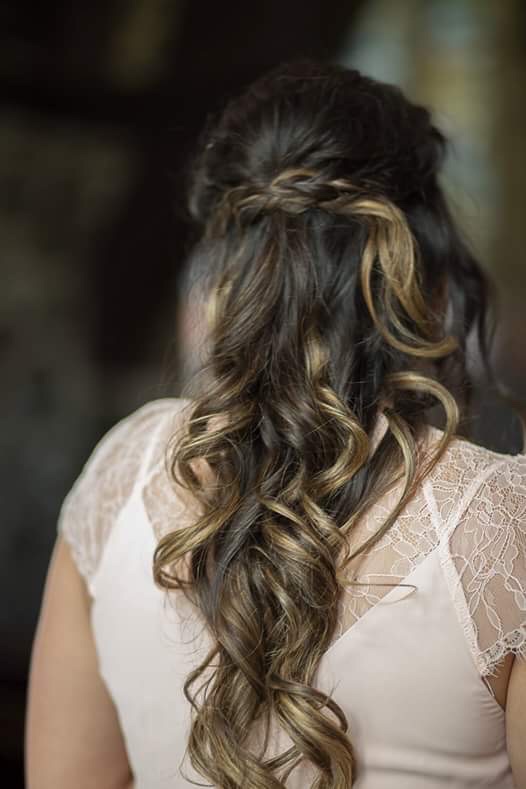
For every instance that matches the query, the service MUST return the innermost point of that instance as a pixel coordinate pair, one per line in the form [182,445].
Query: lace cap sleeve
[488,548]
[105,482]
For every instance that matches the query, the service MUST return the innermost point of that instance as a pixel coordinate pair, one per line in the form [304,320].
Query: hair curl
[337,286]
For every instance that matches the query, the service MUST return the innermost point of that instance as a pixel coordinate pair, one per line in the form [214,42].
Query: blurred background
[100,105]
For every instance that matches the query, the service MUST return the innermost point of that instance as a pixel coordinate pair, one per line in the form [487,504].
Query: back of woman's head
[337,286]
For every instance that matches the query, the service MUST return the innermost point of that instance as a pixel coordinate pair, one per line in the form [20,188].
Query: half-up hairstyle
[337,288]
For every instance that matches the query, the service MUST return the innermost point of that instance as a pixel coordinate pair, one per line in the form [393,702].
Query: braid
[390,243]
[293,191]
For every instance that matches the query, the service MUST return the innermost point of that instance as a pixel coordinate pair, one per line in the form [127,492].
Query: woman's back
[332,283]
[412,666]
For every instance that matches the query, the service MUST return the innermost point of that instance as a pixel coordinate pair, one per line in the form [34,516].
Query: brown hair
[330,263]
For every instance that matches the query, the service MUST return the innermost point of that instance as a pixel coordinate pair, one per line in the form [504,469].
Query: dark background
[100,105]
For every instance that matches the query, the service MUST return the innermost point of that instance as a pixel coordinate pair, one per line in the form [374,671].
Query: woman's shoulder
[481,498]
[108,476]
[469,476]
[120,450]
[465,459]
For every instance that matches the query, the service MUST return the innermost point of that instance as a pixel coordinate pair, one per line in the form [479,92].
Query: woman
[292,577]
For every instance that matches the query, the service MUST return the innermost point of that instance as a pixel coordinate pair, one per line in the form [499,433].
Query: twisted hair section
[390,245]
[272,528]
[320,318]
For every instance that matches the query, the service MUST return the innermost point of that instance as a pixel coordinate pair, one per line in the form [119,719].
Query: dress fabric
[408,663]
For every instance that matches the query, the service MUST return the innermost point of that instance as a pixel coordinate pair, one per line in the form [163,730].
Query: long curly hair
[337,287]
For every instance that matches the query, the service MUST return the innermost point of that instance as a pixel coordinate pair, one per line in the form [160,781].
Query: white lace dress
[408,664]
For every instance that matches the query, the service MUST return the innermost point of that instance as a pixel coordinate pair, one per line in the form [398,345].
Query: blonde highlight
[276,452]
[298,706]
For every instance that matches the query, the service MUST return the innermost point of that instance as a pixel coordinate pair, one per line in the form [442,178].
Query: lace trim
[67,528]
[514,642]
[484,566]
[107,479]
[460,603]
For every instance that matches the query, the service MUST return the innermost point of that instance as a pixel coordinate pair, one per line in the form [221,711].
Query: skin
[73,736]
